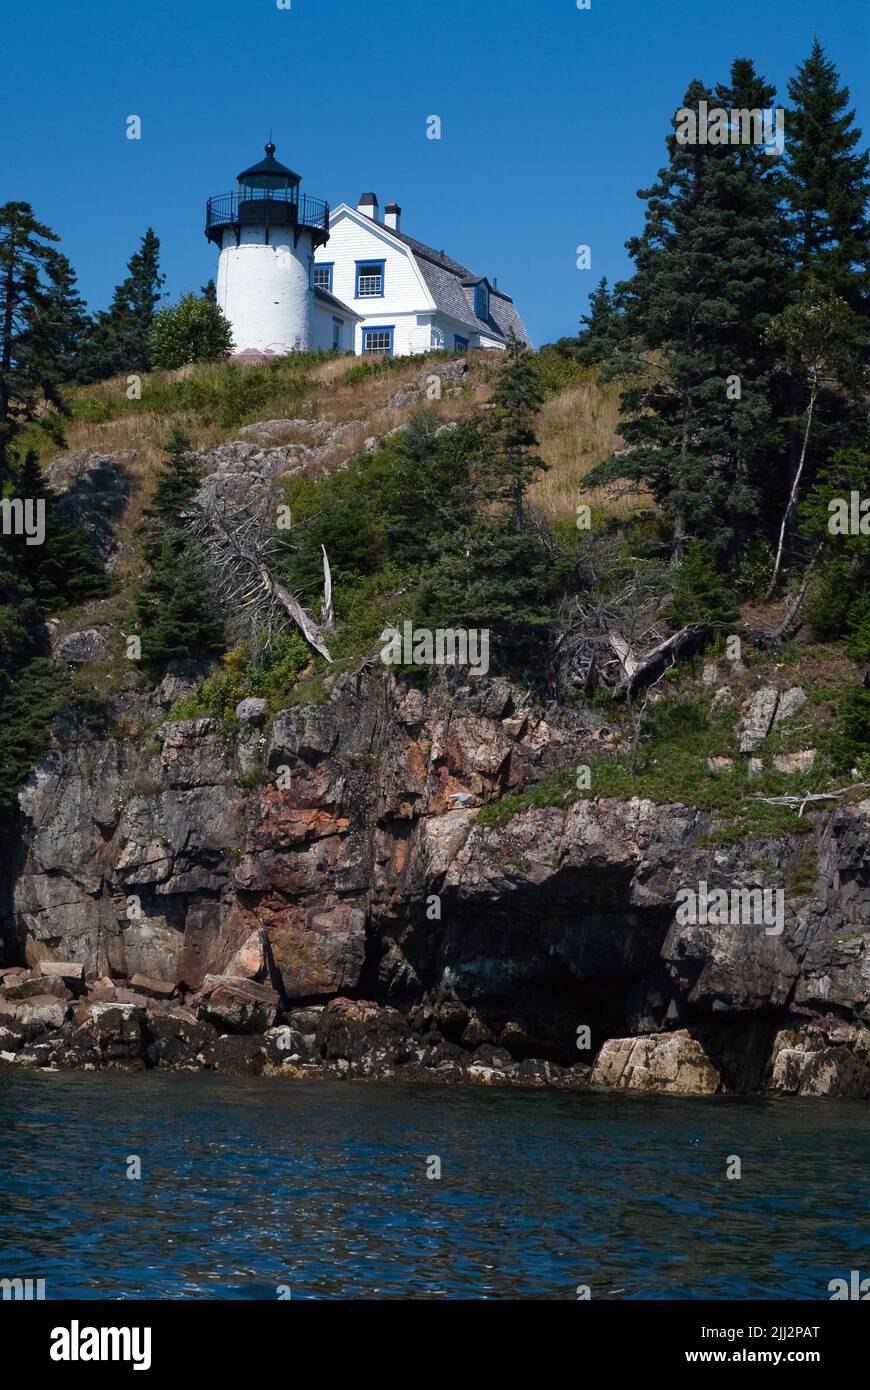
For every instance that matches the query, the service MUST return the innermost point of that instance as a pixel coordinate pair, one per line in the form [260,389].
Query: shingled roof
[451,286]
[324,297]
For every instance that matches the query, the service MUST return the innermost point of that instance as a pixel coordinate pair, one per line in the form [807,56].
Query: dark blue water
[322,1187]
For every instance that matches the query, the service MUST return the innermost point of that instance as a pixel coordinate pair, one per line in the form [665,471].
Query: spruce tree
[508,462]
[118,340]
[63,318]
[600,328]
[175,614]
[29,378]
[827,183]
[709,274]
[66,568]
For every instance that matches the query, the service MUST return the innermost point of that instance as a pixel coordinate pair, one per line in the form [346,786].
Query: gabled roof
[451,286]
[329,301]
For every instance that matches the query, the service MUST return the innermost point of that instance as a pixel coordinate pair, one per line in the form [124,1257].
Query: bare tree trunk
[795,485]
[327,614]
[796,604]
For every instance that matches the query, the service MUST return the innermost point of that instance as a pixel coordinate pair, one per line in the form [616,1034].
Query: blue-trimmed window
[481,301]
[337,326]
[323,276]
[460,344]
[370,279]
[378,342]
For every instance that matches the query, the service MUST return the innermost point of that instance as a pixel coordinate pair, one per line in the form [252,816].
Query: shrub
[194,330]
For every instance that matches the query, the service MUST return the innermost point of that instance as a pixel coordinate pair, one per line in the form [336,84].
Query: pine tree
[828,182]
[709,274]
[29,376]
[118,340]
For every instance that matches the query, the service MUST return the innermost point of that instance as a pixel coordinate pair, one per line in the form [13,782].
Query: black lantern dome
[270,173]
[268,196]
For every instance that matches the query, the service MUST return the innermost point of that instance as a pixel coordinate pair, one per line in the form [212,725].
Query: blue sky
[552,119]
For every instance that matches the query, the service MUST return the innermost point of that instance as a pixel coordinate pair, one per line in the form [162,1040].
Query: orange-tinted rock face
[358,865]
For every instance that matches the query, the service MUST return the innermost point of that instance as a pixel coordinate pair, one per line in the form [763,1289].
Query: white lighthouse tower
[266,233]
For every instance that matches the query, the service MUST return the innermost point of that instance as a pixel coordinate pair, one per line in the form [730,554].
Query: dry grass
[578,428]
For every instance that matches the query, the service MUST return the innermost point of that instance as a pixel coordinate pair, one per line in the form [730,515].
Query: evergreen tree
[28,375]
[828,182]
[709,274]
[700,596]
[175,614]
[508,465]
[118,340]
[600,328]
[65,569]
[209,291]
[63,318]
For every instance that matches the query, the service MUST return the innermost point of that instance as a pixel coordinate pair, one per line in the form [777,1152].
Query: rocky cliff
[326,888]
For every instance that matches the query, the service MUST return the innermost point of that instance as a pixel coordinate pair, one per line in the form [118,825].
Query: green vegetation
[433,528]
[175,616]
[273,678]
[671,769]
[193,330]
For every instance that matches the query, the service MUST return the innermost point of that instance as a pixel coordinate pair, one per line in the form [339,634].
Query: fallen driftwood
[683,643]
[242,578]
[801,799]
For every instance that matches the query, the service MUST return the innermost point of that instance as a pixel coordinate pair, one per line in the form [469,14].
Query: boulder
[80,648]
[758,718]
[805,1062]
[236,1005]
[362,1032]
[252,711]
[660,1062]
[109,1032]
[237,1056]
[320,952]
[789,703]
[70,971]
[151,988]
[253,959]
[178,1037]
[36,1015]
[800,761]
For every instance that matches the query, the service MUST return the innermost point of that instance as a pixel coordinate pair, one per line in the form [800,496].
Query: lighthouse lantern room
[266,233]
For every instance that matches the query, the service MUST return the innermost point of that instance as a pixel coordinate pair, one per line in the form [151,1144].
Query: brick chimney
[368,206]
[393,217]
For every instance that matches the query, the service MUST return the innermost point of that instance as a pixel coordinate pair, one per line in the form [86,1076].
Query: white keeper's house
[294,275]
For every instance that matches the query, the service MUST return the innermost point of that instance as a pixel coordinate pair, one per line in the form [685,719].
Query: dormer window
[481,300]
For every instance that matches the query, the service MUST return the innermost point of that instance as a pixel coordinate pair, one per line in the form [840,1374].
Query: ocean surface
[320,1190]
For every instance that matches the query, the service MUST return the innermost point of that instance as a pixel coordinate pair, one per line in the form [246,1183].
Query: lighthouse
[267,232]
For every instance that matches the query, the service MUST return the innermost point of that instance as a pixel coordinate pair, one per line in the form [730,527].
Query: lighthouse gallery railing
[258,206]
